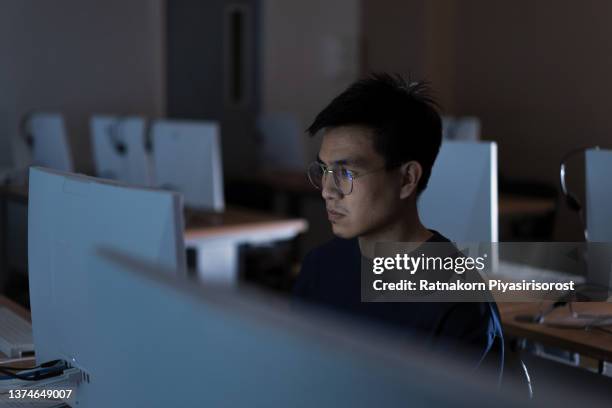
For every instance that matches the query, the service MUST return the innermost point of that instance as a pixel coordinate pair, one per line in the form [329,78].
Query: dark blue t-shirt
[330,276]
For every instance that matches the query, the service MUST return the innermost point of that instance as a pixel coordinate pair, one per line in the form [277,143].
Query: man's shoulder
[324,266]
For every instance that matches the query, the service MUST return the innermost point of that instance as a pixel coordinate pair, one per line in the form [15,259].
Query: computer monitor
[69,216]
[282,142]
[187,158]
[148,339]
[119,147]
[463,128]
[48,141]
[461,199]
[598,167]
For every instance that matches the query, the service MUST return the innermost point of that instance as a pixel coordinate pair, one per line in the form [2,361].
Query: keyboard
[15,334]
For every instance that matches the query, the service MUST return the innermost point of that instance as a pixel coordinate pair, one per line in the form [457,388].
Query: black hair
[404,116]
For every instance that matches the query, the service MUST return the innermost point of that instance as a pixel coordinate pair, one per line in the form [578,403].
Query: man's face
[374,203]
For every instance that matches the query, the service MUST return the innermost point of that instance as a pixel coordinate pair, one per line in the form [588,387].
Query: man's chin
[342,232]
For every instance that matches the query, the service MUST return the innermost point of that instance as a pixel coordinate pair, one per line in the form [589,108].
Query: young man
[380,138]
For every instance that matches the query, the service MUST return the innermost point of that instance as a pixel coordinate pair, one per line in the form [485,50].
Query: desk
[217,237]
[595,344]
[516,205]
[22,312]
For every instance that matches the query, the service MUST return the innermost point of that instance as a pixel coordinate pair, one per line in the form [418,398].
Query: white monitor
[157,341]
[463,128]
[119,147]
[599,195]
[282,143]
[50,147]
[461,200]
[598,164]
[69,216]
[187,158]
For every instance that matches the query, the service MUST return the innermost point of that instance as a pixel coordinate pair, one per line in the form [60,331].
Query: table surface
[594,343]
[25,313]
[516,205]
[207,224]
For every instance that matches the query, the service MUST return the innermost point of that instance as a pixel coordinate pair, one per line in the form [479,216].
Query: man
[380,138]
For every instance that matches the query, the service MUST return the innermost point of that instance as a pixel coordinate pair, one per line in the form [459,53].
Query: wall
[413,38]
[310,53]
[536,73]
[79,58]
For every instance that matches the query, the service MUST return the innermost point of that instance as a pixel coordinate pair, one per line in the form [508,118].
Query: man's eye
[346,173]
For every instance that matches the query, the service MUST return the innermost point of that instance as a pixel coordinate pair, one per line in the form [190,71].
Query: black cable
[46,364]
[37,375]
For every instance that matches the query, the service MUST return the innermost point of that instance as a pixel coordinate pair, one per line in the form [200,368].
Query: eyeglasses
[343,178]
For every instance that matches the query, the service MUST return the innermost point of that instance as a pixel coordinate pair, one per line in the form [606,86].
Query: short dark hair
[405,119]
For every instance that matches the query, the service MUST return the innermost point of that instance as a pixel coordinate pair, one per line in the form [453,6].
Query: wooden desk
[515,205]
[217,237]
[595,343]
[15,307]
[25,313]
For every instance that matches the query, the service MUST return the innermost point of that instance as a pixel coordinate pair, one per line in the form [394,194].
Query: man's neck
[408,230]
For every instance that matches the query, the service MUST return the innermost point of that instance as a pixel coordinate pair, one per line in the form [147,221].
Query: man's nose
[329,190]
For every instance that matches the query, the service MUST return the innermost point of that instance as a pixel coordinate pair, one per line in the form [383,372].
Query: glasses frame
[353,175]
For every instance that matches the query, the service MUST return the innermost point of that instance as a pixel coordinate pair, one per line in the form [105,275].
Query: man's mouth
[333,215]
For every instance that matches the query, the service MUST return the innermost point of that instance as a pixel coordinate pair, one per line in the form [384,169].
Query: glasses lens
[315,174]
[344,180]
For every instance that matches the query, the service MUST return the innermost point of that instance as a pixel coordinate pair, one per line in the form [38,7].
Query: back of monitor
[119,147]
[460,200]
[283,146]
[69,217]
[462,128]
[187,158]
[599,215]
[50,147]
[219,347]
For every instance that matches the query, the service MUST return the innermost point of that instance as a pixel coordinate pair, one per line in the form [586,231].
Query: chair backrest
[119,147]
[460,200]
[187,159]
[48,141]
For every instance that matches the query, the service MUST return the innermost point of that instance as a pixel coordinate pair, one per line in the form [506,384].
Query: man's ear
[410,173]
